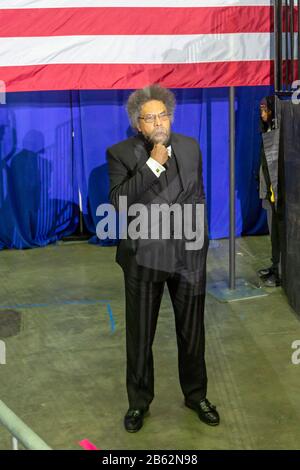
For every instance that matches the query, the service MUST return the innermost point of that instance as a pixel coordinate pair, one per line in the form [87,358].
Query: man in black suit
[158,168]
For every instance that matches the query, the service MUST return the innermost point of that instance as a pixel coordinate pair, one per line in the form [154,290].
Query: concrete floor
[65,366]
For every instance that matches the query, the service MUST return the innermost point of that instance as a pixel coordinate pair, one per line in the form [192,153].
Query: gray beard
[162,138]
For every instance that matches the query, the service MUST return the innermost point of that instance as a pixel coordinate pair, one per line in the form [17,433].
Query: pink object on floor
[87,445]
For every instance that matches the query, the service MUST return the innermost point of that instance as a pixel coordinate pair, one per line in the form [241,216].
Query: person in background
[271,275]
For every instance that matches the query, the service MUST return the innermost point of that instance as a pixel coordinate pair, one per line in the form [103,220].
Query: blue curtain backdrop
[53,148]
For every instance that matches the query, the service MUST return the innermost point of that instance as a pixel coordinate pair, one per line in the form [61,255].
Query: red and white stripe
[92,44]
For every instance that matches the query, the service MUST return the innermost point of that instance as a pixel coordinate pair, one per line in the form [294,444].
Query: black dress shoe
[133,420]
[272,281]
[206,411]
[265,272]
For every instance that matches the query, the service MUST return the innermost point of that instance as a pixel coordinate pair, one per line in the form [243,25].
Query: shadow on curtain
[37,201]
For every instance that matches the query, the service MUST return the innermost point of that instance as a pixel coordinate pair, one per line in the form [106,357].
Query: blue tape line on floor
[66,302]
[111,317]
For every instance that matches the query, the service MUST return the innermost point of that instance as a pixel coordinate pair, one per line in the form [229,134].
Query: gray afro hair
[153,92]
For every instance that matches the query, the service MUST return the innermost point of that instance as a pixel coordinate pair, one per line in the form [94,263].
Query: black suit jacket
[130,176]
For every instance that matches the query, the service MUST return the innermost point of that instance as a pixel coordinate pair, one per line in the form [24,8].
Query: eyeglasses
[150,118]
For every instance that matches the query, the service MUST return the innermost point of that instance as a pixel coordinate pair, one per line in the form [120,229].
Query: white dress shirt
[156,167]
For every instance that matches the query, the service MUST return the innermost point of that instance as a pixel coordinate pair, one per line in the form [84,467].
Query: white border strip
[13,4]
[145,49]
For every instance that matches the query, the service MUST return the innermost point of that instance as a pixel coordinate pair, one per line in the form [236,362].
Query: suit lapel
[180,153]
[142,156]
[140,153]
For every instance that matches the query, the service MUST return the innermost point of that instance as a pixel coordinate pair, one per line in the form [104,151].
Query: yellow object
[272,194]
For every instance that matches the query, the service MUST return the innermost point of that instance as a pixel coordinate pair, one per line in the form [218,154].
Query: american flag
[118,44]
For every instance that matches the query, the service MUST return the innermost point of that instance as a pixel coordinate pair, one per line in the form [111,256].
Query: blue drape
[53,153]
[37,204]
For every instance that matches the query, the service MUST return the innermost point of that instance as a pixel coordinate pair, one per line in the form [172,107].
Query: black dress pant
[143,300]
[274,224]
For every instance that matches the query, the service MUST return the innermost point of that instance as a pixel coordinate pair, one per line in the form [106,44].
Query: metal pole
[287,38]
[292,41]
[298,39]
[236,289]
[232,188]
[276,39]
[276,53]
[15,444]
[279,50]
[20,430]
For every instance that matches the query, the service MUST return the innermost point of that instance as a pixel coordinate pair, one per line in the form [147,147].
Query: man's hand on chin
[160,154]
